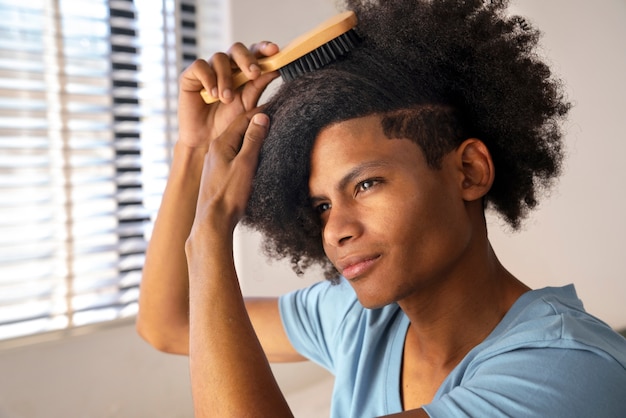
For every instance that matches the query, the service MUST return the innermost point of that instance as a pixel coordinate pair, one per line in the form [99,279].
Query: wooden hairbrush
[308,52]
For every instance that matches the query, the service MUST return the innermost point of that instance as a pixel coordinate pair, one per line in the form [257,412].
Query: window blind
[87,123]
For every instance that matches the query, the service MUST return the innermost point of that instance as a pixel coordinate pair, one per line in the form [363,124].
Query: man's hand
[200,123]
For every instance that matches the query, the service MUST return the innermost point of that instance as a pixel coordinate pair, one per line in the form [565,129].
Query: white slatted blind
[87,121]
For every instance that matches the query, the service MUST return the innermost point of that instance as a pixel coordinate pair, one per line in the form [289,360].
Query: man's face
[391,225]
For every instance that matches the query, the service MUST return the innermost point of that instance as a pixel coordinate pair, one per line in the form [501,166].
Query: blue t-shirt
[546,358]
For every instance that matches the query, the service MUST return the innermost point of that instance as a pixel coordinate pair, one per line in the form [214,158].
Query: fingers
[223,87]
[258,80]
[229,169]
[244,60]
[253,140]
[225,72]
[264,49]
[197,76]
[243,138]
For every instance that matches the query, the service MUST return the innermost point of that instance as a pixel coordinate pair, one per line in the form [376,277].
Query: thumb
[253,139]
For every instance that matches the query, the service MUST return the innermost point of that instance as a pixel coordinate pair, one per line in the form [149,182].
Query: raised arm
[163,318]
[229,372]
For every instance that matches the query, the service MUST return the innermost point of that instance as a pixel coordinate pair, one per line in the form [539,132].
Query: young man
[379,168]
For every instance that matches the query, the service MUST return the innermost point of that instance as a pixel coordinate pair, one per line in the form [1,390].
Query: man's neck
[453,316]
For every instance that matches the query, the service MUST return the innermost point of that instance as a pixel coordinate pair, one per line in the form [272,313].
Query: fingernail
[214,92]
[261,119]
[254,68]
[227,94]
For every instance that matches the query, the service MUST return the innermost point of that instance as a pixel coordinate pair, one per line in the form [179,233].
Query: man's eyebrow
[355,173]
[359,170]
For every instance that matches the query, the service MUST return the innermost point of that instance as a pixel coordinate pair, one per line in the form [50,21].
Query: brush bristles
[321,56]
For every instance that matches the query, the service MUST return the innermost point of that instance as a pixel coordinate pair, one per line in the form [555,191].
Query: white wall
[578,235]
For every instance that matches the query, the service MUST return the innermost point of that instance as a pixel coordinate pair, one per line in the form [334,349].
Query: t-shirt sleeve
[538,382]
[312,317]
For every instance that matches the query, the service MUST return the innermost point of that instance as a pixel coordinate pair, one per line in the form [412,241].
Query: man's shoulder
[554,317]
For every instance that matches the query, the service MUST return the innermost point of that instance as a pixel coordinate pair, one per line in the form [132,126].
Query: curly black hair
[437,72]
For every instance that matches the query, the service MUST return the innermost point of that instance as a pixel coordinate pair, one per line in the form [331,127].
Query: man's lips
[354,266]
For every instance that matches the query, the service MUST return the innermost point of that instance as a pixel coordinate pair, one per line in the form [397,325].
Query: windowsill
[53,336]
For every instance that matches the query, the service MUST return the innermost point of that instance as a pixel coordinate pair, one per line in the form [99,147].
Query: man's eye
[323,207]
[366,185]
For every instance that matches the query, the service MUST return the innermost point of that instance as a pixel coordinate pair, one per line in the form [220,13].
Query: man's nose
[343,224]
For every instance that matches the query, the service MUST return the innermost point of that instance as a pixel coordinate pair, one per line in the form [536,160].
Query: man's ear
[477,169]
